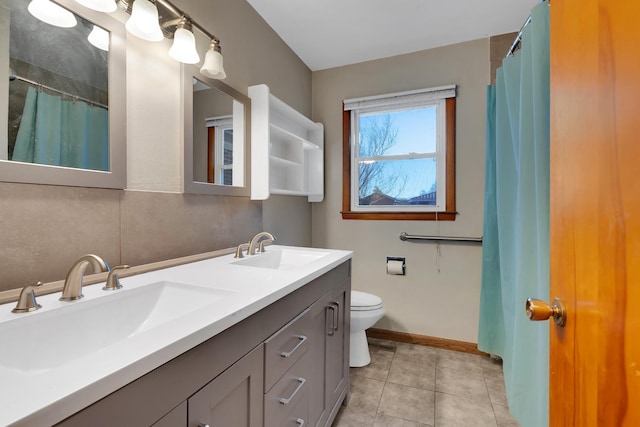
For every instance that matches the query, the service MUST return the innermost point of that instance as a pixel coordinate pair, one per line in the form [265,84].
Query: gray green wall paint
[439,296]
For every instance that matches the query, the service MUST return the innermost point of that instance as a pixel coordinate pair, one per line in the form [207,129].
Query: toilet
[366,310]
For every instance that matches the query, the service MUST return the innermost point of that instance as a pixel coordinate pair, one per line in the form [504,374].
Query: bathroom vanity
[273,352]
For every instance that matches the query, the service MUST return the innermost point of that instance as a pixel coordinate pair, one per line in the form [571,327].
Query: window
[220,150]
[399,156]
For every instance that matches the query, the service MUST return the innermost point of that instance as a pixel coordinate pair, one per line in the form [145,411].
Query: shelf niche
[287,149]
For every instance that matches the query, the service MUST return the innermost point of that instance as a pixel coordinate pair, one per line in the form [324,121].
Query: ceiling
[332,33]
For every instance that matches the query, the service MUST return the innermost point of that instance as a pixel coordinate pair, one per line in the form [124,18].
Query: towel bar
[404,236]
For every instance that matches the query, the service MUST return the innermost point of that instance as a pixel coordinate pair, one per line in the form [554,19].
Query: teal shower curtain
[57,132]
[515,261]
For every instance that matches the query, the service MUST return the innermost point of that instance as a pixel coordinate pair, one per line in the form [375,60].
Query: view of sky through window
[396,157]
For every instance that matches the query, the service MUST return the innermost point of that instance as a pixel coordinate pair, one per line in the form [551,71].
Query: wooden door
[595,212]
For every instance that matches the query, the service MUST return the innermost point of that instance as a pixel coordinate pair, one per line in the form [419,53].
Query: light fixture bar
[179,14]
[172,19]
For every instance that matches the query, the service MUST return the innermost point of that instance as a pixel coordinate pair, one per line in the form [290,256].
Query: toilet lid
[364,301]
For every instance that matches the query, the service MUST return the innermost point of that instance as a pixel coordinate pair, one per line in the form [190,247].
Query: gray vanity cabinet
[329,354]
[234,398]
[338,336]
[239,377]
[318,406]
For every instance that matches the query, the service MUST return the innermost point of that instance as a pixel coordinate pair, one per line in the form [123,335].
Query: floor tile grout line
[435,393]
[493,409]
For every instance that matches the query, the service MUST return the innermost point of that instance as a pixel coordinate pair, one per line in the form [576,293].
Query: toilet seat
[362,301]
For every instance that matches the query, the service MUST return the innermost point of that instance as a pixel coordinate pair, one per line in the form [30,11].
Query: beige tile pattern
[159,226]
[45,228]
[415,386]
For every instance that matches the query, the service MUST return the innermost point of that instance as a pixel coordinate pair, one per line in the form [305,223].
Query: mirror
[62,109]
[216,136]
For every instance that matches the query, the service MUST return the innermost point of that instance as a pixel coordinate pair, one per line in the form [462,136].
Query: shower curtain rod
[40,85]
[518,39]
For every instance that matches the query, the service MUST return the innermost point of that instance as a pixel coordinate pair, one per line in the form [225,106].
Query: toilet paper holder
[396,265]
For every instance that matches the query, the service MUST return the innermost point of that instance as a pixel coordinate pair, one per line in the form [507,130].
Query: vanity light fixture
[184,43]
[153,20]
[143,22]
[99,38]
[99,5]
[213,60]
[51,13]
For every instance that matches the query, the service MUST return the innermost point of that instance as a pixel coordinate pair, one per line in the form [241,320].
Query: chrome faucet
[253,244]
[73,283]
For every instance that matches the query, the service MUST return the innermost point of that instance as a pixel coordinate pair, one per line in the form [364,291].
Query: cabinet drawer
[284,348]
[298,416]
[287,404]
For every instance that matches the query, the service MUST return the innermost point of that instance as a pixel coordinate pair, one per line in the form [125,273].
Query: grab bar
[404,237]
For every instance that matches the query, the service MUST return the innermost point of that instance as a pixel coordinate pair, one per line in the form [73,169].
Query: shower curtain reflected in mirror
[59,132]
[515,254]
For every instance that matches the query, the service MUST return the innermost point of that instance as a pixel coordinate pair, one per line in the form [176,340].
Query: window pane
[397,182]
[228,146]
[227,177]
[398,132]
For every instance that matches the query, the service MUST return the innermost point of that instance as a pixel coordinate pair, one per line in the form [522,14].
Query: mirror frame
[116,177]
[189,72]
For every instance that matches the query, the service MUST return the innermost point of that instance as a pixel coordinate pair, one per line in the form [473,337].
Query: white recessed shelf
[287,149]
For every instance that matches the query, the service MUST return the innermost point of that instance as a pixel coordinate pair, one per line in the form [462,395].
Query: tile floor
[410,385]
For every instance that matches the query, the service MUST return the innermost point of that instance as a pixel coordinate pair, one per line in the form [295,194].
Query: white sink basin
[282,259]
[42,341]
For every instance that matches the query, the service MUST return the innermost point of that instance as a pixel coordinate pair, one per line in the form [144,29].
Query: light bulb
[213,62]
[143,22]
[183,48]
[52,14]
[99,38]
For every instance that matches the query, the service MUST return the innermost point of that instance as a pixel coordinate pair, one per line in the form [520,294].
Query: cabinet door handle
[287,400]
[302,339]
[203,425]
[300,422]
[336,324]
[333,319]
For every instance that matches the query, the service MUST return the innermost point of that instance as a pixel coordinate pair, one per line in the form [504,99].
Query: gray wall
[45,228]
[439,296]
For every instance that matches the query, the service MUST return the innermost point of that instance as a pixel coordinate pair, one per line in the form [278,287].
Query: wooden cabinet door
[234,398]
[337,375]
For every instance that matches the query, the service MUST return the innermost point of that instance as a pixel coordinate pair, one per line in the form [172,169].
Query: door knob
[540,310]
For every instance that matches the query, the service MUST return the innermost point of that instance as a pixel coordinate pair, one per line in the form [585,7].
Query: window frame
[348,184]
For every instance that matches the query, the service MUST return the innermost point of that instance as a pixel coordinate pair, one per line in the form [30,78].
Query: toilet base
[359,351]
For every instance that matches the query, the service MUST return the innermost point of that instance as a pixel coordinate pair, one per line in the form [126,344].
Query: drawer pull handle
[302,339]
[332,327]
[203,425]
[286,401]
[300,422]
[336,324]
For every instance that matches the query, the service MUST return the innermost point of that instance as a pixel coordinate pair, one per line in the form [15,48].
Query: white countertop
[45,396]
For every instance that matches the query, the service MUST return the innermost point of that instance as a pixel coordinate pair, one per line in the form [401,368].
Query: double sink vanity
[257,341]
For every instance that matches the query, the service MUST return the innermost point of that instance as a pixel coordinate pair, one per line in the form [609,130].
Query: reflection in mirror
[216,158]
[64,117]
